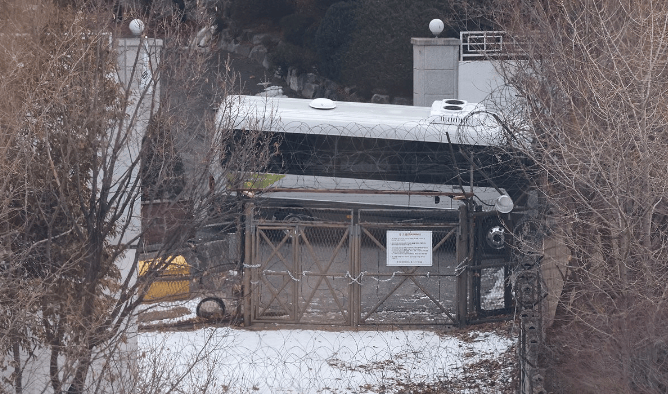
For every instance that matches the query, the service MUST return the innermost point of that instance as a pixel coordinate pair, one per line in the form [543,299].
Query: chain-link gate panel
[272,268]
[407,294]
[300,271]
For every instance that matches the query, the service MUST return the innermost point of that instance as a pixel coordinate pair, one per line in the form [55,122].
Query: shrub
[289,55]
[315,8]
[380,54]
[309,37]
[247,12]
[294,28]
[333,37]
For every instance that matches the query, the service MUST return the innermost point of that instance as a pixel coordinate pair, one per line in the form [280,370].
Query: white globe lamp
[504,204]
[136,27]
[436,26]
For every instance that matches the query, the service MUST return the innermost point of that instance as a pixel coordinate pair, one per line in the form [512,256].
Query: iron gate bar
[262,277]
[373,310]
[374,239]
[407,224]
[320,278]
[447,236]
[271,243]
[355,299]
[431,297]
[309,273]
[410,275]
[295,260]
[453,195]
[275,249]
[275,294]
[398,273]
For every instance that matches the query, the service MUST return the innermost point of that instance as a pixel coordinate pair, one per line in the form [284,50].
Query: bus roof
[472,126]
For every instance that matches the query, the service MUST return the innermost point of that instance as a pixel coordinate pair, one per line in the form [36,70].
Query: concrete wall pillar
[435,70]
[139,77]
[138,71]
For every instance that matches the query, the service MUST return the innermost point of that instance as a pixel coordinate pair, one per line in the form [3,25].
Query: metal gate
[301,263]
[411,294]
[329,266]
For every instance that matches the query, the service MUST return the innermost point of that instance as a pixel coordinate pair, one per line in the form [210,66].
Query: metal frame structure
[328,267]
[480,45]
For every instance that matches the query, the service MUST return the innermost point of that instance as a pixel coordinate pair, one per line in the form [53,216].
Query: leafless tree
[82,140]
[589,81]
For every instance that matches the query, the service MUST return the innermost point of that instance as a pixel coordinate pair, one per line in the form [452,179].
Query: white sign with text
[409,249]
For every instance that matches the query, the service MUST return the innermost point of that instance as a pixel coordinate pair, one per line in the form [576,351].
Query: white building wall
[477,80]
[439,74]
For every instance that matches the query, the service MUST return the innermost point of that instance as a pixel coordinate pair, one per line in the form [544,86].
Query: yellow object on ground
[173,282]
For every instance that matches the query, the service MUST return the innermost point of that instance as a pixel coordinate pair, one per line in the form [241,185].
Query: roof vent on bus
[453,105]
[322,103]
[451,111]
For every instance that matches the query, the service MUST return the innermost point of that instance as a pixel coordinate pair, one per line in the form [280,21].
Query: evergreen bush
[380,54]
[247,12]
[287,55]
[294,27]
[333,37]
[315,8]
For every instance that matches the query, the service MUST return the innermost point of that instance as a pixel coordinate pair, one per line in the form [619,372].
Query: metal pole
[248,261]
[295,239]
[474,273]
[462,256]
[356,268]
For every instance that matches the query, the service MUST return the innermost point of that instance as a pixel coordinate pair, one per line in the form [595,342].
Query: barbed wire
[331,361]
[415,155]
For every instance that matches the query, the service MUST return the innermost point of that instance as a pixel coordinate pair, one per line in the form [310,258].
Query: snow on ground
[494,299]
[311,361]
[166,313]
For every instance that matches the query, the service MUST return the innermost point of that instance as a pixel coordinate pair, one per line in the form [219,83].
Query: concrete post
[435,70]
[138,78]
[138,61]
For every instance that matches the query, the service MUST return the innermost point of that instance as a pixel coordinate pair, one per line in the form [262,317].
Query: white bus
[376,154]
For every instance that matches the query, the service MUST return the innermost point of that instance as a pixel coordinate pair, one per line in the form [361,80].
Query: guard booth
[360,267]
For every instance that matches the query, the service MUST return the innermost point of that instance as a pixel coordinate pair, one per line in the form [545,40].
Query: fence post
[462,263]
[356,268]
[248,261]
